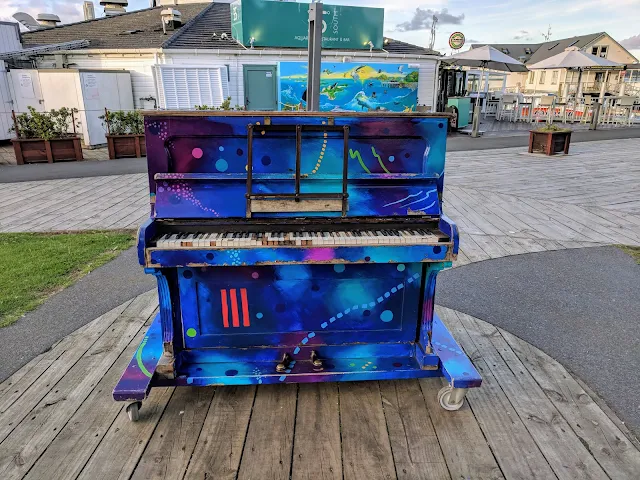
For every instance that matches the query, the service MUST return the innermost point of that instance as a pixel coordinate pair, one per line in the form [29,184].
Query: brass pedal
[315,360]
[284,363]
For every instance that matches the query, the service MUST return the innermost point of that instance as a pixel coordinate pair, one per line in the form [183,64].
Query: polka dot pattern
[339,315]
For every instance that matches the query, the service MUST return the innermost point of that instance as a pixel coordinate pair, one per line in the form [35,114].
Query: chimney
[171,19]
[89,11]
[48,19]
[114,7]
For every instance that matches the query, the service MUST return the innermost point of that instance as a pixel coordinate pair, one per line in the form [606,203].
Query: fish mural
[355,87]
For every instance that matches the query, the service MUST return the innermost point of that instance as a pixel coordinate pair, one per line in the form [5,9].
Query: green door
[260,91]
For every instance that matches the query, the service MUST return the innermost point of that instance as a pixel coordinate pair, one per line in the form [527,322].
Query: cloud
[422,19]
[67,11]
[523,35]
[631,42]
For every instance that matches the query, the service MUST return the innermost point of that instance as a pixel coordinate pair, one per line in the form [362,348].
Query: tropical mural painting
[354,87]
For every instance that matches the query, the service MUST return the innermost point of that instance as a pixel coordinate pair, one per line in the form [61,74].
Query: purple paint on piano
[296,248]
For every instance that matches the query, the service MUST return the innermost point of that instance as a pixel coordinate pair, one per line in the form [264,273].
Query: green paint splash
[356,154]
[373,150]
[143,369]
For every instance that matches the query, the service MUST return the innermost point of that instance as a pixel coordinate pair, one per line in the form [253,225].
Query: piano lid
[389,156]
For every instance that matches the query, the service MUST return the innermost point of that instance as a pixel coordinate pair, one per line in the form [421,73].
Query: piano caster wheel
[284,363]
[133,411]
[317,362]
[451,398]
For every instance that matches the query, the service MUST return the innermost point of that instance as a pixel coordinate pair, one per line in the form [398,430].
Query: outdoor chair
[621,111]
[507,108]
[584,110]
[545,108]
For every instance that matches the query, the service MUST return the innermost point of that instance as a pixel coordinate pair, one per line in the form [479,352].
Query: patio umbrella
[573,57]
[484,57]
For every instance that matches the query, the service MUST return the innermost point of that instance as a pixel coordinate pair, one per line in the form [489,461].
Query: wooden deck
[530,419]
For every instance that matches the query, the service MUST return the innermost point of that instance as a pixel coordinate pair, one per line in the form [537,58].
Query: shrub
[226,105]
[123,123]
[46,125]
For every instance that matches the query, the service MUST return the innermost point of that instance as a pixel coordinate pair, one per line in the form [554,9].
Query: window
[532,77]
[594,50]
[603,51]
[527,50]
[543,74]
[554,77]
[183,87]
[505,51]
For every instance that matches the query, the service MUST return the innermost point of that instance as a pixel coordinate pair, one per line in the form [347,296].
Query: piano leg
[138,378]
[166,365]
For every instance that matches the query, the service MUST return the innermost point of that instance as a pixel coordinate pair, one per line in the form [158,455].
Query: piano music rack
[297,201]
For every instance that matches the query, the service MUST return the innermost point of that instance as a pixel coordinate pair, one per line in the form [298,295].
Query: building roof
[553,47]
[206,31]
[204,25]
[519,51]
[137,29]
[536,52]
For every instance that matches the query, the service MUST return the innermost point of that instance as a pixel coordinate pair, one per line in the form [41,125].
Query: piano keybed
[408,236]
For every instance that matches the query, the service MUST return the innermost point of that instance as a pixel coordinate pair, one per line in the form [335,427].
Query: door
[6,104]
[260,87]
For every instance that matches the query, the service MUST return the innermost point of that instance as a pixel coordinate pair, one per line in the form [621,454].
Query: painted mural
[355,87]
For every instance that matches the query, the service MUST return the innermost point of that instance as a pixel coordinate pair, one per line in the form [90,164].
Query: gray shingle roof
[542,51]
[144,27]
[216,19]
[203,27]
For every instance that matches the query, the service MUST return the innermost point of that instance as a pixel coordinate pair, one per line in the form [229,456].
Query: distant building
[553,81]
[199,61]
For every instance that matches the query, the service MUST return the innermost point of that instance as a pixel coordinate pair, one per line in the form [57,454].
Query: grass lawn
[633,251]
[35,265]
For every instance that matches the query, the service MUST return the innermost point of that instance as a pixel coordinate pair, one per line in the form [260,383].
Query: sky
[481,21]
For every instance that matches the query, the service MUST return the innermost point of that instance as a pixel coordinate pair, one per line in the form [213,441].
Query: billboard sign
[284,24]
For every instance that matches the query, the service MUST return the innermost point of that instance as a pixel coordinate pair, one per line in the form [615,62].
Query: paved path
[580,306]
[530,419]
[589,196]
[455,143]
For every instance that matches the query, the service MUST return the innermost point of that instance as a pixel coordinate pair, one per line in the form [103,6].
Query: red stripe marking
[225,308]
[234,307]
[245,308]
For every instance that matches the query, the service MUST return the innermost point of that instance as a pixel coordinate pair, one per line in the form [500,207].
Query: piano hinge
[267,121]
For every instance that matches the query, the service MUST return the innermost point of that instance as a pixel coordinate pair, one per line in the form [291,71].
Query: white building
[553,81]
[199,62]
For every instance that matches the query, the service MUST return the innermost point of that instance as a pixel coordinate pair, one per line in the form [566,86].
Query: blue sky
[484,21]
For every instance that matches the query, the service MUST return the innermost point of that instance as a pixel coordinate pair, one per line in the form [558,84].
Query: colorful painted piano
[295,247]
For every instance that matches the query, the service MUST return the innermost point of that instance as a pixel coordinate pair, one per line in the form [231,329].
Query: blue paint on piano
[295,247]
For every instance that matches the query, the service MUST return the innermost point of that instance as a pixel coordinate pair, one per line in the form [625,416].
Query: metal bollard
[596,114]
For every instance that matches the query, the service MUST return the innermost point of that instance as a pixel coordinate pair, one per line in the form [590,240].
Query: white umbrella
[484,57]
[573,57]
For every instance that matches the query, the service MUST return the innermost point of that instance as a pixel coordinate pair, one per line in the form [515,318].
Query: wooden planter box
[123,146]
[549,143]
[38,150]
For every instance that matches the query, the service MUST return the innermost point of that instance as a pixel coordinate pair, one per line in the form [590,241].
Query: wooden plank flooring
[530,419]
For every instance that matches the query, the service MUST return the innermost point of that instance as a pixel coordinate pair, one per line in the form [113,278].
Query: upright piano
[295,247]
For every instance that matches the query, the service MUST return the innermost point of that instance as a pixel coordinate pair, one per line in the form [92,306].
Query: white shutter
[183,87]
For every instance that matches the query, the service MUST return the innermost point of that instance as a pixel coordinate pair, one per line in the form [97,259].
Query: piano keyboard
[300,239]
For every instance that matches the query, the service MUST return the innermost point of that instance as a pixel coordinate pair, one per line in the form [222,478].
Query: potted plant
[549,140]
[45,136]
[125,133]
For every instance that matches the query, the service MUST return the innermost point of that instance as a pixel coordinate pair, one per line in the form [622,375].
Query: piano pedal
[315,360]
[284,363]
